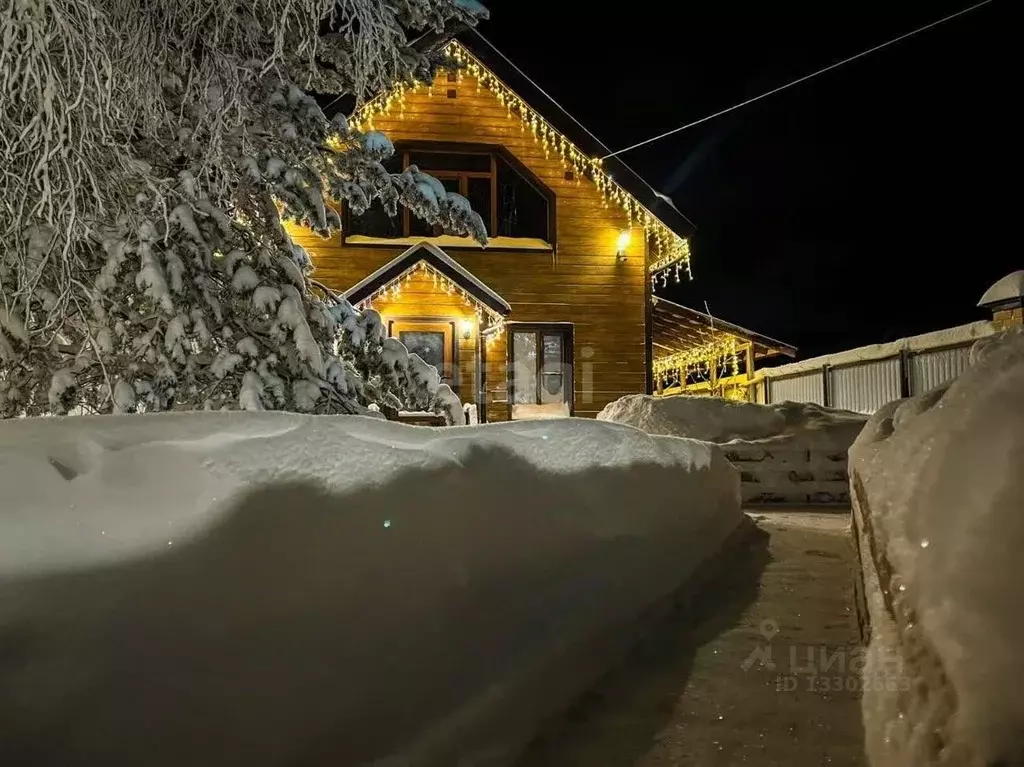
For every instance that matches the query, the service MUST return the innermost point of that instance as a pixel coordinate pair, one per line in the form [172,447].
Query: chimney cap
[1007,292]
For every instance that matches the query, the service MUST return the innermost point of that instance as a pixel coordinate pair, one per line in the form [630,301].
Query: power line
[805,78]
[568,114]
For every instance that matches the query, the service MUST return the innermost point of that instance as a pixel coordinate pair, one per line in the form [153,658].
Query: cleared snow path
[697,692]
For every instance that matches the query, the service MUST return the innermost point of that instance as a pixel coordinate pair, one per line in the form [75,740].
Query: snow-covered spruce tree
[150,152]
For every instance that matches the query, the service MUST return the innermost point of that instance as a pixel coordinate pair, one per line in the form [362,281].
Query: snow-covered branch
[148,155]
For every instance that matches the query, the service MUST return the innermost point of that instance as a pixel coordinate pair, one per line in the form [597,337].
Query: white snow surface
[788,452]
[961,334]
[278,589]
[943,492]
[715,419]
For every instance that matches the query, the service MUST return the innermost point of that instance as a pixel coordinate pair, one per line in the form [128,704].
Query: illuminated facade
[555,316]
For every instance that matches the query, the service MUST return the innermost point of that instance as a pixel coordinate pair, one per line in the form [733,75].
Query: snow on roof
[427,251]
[961,334]
[1009,288]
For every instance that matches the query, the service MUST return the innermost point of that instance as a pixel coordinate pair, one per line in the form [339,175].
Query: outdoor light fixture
[622,244]
[467,329]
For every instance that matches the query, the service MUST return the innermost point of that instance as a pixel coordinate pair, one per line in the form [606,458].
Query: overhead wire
[568,114]
[803,79]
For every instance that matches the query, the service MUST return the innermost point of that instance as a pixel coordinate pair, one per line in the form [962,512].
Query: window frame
[539,330]
[449,375]
[463,177]
[495,151]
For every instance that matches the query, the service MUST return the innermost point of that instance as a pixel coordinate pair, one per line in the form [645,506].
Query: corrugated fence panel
[929,369]
[759,391]
[866,386]
[805,387]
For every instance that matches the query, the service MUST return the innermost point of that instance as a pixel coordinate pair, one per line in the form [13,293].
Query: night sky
[870,203]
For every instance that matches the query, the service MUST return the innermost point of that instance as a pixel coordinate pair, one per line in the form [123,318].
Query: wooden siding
[420,298]
[581,282]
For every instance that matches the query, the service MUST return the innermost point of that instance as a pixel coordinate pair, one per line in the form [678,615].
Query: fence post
[904,374]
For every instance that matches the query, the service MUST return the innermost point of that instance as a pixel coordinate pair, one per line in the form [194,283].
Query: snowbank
[938,496]
[277,589]
[787,452]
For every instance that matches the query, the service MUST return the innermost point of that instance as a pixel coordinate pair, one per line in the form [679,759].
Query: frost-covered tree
[149,152]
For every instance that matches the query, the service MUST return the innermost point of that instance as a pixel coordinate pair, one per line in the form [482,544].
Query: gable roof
[433,256]
[668,230]
[619,172]
[677,328]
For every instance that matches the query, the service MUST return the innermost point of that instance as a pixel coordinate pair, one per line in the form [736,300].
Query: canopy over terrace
[695,353]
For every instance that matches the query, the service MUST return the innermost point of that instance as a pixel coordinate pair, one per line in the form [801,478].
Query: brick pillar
[1008,318]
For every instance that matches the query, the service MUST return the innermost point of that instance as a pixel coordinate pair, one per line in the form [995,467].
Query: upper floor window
[510,204]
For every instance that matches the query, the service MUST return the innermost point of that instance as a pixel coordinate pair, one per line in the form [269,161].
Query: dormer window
[512,203]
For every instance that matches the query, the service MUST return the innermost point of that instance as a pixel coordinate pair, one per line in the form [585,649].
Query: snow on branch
[149,152]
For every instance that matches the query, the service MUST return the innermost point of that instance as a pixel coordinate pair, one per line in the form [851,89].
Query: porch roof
[676,328]
[438,260]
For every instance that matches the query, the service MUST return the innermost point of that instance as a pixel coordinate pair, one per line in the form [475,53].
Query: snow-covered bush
[151,154]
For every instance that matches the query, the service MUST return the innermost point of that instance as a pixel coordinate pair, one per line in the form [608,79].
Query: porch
[697,354]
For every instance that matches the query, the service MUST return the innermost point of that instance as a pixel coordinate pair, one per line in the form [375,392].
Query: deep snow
[277,589]
[938,510]
[787,452]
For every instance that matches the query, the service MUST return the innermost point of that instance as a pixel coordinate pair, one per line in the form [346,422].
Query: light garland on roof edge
[393,290]
[668,248]
[662,276]
[725,348]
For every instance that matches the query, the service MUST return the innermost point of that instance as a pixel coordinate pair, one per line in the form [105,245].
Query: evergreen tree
[150,152]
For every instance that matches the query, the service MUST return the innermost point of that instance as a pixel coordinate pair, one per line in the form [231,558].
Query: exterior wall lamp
[466,328]
[622,244]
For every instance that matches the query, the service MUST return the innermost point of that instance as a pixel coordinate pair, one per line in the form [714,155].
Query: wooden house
[555,316]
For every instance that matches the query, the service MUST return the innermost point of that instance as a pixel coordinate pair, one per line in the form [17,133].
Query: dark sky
[870,203]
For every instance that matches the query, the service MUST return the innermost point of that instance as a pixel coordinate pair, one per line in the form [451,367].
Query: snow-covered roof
[1008,290]
[437,258]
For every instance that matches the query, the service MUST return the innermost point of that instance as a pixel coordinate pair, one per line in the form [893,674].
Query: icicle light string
[569,114]
[667,247]
[724,349]
[803,79]
[393,290]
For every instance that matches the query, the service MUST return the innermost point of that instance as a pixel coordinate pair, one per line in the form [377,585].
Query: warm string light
[393,290]
[724,349]
[668,249]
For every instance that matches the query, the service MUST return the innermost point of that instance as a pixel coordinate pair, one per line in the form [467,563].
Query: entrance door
[433,341]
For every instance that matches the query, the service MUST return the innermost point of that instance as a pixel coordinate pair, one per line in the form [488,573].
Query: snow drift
[277,589]
[938,496]
[788,452]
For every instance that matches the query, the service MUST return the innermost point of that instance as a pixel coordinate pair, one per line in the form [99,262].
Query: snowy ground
[274,589]
[787,453]
[938,493]
[698,692]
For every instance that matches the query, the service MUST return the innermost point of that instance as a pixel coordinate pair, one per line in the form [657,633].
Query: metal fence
[865,385]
